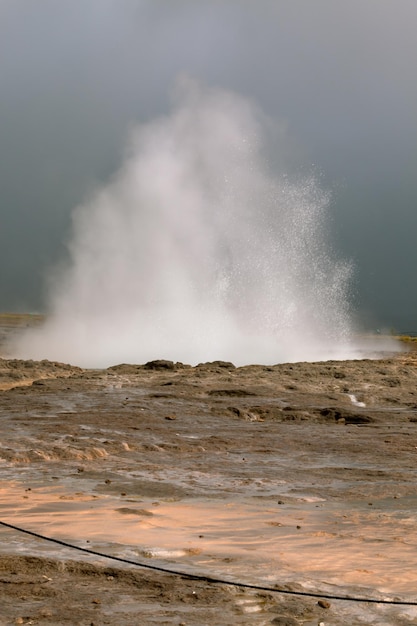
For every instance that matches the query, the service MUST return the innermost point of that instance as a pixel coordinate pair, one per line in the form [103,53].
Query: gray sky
[76,75]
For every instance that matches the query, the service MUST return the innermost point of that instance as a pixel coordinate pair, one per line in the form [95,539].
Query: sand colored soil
[298,476]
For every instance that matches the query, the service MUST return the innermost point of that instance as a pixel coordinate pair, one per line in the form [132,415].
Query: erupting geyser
[195,252]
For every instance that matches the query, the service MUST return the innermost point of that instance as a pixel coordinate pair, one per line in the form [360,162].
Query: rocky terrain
[294,477]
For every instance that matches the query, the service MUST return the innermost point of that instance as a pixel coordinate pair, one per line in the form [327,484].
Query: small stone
[96,601]
[19,620]
[170,417]
[107,481]
[325,604]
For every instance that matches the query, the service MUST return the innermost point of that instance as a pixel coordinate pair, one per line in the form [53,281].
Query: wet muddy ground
[300,477]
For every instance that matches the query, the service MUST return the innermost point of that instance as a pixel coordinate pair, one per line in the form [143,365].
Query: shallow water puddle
[252,542]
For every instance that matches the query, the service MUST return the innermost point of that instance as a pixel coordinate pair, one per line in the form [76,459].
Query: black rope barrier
[205,578]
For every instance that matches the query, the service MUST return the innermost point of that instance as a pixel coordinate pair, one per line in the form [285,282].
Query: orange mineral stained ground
[246,542]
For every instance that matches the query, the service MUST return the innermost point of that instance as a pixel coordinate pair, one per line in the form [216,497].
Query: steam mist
[195,252]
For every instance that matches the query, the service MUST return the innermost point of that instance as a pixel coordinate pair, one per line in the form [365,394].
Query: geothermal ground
[298,477]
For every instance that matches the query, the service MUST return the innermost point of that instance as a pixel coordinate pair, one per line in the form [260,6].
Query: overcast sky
[76,75]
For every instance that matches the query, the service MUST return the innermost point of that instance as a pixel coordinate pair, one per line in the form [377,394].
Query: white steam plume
[194,252]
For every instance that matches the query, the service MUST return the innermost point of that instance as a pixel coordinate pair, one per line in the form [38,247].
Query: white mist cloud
[195,252]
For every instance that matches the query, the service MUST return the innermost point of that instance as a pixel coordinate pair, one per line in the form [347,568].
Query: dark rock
[160,364]
[284,620]
[349,417]
[231,392]
[125,368]
[214,365]
[358,419]
[225,364]
[129,511]
[325,604]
